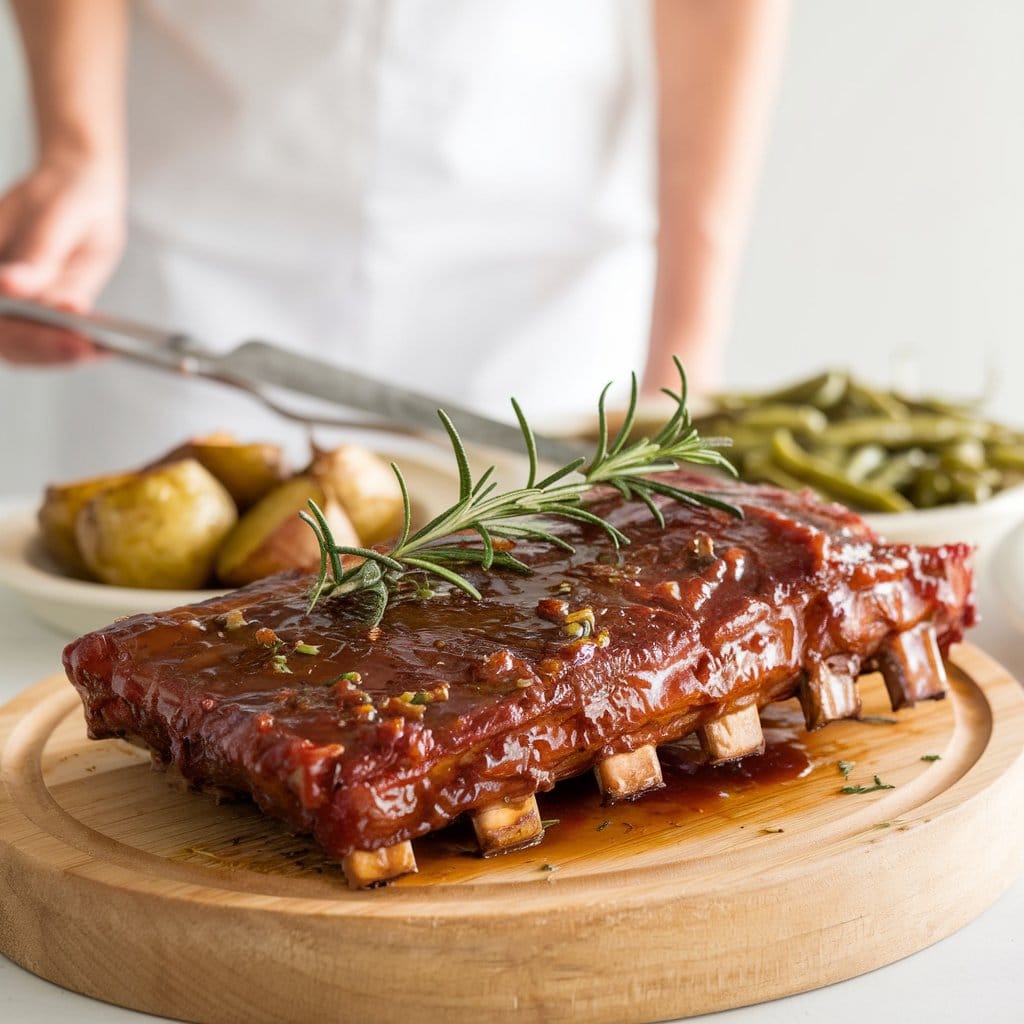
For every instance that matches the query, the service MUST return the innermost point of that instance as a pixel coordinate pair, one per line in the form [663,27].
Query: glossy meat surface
[365,737]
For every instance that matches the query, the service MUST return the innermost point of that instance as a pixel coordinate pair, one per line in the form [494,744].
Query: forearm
[717,65]
[75,54]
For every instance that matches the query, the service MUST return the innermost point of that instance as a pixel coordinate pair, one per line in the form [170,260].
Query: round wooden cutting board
[731,886]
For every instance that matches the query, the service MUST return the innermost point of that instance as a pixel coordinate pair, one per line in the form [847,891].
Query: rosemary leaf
[630,466]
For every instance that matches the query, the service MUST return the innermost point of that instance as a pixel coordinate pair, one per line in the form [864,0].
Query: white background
[889,219]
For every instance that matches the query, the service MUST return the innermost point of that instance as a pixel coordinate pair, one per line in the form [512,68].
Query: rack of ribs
[367,737]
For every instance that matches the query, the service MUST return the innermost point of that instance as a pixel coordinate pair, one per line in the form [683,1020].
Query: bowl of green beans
[921,469]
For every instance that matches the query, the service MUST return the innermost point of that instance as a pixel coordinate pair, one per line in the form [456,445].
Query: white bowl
[72,606]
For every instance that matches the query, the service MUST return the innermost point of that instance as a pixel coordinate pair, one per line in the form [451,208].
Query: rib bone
[732,736]
[829,691]
[912,667]
[504,827]
[628,775]
[365,869]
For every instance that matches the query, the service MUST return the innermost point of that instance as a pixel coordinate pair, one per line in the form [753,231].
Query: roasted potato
[159,529]
[247,470]
[271,537]
[57,515]
[365,487]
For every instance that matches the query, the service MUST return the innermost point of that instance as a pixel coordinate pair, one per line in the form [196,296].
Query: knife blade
[255,365]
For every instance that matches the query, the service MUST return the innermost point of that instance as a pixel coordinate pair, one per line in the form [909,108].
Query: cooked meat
[369,737]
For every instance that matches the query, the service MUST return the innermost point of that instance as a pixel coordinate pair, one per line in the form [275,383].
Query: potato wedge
[57,515]
[158,529]
[365,487]
[271,537]
[247,470]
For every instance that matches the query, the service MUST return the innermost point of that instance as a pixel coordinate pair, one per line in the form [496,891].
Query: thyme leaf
[879,784]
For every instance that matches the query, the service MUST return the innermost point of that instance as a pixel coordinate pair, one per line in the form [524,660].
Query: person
[471,197]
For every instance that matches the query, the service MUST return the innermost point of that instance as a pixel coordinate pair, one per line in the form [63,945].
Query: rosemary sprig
[619,462]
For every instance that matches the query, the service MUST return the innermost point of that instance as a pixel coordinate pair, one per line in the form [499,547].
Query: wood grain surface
[730,887]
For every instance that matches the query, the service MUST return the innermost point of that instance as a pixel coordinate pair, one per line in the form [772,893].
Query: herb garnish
[845,767]
[932,757]
[548,822]
[879,784]
[509,515]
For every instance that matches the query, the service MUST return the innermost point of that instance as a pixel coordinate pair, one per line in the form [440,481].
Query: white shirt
[453,195]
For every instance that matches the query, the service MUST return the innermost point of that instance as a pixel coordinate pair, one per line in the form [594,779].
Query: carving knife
[257,366]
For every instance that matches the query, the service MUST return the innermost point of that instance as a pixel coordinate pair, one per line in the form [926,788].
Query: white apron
[453,195]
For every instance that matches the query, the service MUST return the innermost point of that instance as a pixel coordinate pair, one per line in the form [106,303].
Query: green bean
[833,453]
[900,469]
[801,419]
[975,486]
[1007,456]
[942,407]
[877,401]
[864,460]
[821,474]
[759,466]
[926,431]
[743,439]
[967,455]
[822,391]
[931,487]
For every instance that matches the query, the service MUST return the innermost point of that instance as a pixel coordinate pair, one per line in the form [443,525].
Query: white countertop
[974,975]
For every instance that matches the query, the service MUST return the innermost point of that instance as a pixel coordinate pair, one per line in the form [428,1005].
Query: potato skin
[366,488]
[271,537]
[248,470]
[160,529]
[59,511]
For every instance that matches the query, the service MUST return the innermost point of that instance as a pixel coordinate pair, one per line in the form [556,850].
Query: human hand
[61,235]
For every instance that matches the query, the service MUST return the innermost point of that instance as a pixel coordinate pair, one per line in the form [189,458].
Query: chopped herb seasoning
[845,767]
[879,784]
[604,824]
[932,757]
[549,867]
[280,663]
[304,648]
